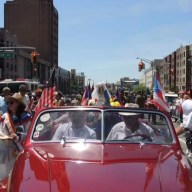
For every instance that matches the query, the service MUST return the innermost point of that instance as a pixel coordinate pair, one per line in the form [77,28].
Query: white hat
[128,114]
[131,105]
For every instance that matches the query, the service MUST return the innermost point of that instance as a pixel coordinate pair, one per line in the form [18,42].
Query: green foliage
[141,88]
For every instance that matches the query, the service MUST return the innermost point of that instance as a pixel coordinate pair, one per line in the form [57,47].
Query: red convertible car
[92,149]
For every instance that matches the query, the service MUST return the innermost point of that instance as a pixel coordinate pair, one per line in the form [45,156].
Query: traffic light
[141,66]
[34,57]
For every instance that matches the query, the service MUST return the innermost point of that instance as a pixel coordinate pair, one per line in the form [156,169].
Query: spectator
[25,97]
[140,100]
[13,130]
[179,110]
[38,94]
[34,100]
[75,102]
[3,99]
[150,105]
[58,99]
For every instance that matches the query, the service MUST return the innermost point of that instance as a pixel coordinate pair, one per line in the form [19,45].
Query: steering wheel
[144,136]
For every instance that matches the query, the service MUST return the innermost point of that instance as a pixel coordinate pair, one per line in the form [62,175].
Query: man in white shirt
[25,97]
[187,122]
[75,128]
[131,127]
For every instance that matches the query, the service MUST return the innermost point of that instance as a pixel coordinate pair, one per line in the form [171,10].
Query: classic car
[101,149]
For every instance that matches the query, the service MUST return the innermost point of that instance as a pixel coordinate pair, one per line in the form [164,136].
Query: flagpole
[89,88]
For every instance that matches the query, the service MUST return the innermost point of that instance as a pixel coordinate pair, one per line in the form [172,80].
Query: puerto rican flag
[159,95]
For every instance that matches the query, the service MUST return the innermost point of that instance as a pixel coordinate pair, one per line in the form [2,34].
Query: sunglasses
[10,103]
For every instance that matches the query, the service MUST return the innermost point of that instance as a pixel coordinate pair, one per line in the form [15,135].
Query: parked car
[90,149]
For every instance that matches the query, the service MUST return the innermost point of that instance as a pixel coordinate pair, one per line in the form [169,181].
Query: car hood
[115,167]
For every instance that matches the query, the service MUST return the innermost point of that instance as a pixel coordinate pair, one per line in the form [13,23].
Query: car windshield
[96,125]
[171,99]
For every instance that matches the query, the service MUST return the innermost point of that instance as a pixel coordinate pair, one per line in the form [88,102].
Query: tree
[141,88]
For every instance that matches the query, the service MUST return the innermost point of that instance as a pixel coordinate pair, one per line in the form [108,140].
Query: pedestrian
[179,110]
[24,95]
[58,101]
[13,130]
[140,99]
[3,100]
[34,101]
[150,105]
[186,126]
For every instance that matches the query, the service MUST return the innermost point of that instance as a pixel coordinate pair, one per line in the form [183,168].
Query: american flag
[159,95]
[47,97]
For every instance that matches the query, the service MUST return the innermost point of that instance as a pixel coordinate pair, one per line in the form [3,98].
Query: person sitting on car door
[130,125]
[75,128]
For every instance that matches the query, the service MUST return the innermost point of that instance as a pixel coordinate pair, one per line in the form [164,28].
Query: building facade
[77,83]
[63,80]
[147,77]
[179,70]
[8,65]
[35,23]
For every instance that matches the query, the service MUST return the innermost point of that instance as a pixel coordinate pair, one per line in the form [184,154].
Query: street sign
[6,55]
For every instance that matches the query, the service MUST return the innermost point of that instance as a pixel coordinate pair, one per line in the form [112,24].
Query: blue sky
[103,38]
